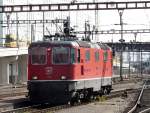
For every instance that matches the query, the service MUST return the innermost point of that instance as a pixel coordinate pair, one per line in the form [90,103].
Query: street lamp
[120,11]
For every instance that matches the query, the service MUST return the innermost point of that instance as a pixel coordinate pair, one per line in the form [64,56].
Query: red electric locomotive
[67,71]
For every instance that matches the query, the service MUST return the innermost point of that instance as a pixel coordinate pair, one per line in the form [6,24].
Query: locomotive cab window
[60,55]
[105,56]
[96,56]
[73,56]
[87,55]
[38,55]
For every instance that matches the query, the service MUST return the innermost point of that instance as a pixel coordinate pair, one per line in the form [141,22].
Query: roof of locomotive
[104,46]
[84,44]
[53,43]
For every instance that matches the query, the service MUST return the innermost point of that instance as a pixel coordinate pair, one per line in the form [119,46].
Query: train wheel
[91,98]
[71,103]
[110,88]
[75,98]
[108,91]
[79,101]
[105,91]
[79,97]
[100,93]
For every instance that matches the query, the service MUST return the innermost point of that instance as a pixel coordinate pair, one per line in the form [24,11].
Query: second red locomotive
[67,71]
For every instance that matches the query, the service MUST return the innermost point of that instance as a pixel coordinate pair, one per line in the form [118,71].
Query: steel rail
[138,101]
[75,6]
[21,110]
[50,109]
[145,110]
[113,95]
[13,94]
[35,108]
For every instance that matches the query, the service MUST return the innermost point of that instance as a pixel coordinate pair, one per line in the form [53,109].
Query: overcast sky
[107,19]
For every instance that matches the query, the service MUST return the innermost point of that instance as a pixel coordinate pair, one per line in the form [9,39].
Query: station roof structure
[13,51]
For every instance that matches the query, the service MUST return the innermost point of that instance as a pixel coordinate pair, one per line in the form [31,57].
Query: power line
[113,31]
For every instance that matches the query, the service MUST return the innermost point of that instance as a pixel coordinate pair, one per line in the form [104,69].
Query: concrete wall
[3,78]
[4,70]
[22,68]
[19,69]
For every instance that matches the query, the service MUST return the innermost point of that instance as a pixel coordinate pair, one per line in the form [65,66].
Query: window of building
[73,55]
[87,55]
[60,55]
[38,55]
[96,56]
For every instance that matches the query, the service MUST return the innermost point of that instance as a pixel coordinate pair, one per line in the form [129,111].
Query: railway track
[145,111]
[142,104]
[24,105]
[44,108]
[12,94]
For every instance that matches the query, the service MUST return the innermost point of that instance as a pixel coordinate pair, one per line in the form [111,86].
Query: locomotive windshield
[38,55]
[60,55]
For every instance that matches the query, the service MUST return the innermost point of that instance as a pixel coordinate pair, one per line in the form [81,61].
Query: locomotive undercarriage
[49,91]
[65,91]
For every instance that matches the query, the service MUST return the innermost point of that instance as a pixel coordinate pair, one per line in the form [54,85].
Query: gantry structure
[73,6]
[76,6]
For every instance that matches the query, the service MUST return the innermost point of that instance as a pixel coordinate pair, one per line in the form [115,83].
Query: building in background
[13,57]
[13,65]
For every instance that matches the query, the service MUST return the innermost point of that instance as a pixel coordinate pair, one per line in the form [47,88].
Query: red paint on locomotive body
[83,69]
[65,61]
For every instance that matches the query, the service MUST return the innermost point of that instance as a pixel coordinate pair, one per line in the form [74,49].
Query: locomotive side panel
[90,70]
[107,69]
[68,69]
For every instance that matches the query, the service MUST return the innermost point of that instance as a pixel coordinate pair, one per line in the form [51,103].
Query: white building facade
[13,65]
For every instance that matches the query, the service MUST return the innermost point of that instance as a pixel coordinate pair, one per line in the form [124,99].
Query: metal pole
[43,24]
[135,35]
[141,66]
[134,41]
[32,33]
[120,11]
[85,29]
[129,62]
[96,23]
[17,33]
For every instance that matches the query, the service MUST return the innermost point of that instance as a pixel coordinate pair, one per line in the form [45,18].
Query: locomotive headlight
[63,77]
[34,77]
